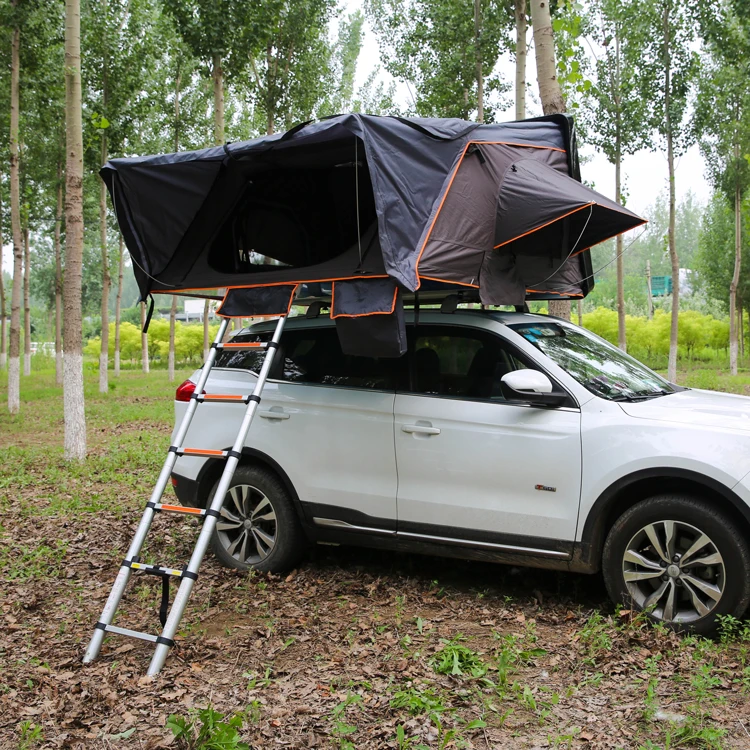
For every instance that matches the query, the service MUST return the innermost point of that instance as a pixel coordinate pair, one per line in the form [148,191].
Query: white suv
[499,436]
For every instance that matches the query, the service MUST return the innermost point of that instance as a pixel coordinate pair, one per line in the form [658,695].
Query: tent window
[292,217]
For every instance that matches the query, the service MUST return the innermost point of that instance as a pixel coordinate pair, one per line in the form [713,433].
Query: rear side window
[244,359]
[314,356]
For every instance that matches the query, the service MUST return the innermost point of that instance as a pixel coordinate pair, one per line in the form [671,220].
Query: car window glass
[461,363]
[314,356]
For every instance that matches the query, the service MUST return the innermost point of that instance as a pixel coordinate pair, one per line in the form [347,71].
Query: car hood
[695,407]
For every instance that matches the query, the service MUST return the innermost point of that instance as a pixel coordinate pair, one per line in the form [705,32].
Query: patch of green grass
[33,562]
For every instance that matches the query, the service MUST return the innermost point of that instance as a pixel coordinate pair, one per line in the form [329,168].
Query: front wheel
[258,527]
[681,561]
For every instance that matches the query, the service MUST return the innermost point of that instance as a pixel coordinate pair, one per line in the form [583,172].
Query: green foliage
[456,659]
[715,258]
[700,336]
[434,47]
[206,729]
[188,345]
[418,701]
[615,116]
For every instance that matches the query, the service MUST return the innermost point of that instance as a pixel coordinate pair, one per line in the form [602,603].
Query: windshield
[594,363]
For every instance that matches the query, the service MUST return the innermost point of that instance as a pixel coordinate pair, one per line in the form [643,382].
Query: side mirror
[530,386]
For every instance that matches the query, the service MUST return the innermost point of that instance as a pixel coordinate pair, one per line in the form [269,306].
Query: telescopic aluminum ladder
[189,574]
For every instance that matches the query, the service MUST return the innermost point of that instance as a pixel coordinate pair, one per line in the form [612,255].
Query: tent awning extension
[375,205]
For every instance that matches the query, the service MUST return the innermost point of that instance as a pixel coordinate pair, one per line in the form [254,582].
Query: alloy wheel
[674,571]
[247,528]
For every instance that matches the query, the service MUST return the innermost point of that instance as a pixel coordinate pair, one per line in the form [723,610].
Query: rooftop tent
[373,204]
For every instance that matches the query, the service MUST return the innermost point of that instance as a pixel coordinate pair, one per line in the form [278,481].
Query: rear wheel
[680,560]
[258,527]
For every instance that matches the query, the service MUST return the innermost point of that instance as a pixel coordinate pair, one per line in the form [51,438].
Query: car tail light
[185,391]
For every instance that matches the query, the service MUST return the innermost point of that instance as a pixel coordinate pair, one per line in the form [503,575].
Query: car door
[473,466]
[327,420]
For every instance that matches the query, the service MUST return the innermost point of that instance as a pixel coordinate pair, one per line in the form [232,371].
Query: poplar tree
[669,67]
[722,125]
[617,118]
[73,401]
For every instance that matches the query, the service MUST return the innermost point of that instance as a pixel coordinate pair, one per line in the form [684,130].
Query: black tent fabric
[354,197]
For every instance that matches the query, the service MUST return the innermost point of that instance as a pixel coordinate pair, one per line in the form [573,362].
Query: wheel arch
[212,469]
[640,485]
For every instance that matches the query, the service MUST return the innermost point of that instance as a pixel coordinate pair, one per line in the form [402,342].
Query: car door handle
[420,429]
[274,414]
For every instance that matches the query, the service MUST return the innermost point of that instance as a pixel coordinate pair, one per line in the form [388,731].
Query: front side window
[460,363]
[597,365]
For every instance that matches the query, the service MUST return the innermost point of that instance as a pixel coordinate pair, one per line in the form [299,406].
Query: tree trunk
[549,92]
[733,327]
[144,340]
[546,69]
[14,365]
[73,403]
[26,304]
[672,364]
[3,353]
[118,307]
[58,279]
[172,315]
[218,78]
[106,281]
[205,330]
[478,56]
[621,336]
[579,306]
[520,10]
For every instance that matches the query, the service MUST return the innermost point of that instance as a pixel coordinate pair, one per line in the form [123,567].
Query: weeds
[417,701]
[340,729]
[458,660]
[206,729]
[30,735]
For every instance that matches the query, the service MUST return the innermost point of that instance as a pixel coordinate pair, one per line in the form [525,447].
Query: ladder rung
[243,345]
[130,633]
[226,398]
[201,452]
[148,568]
[180,509]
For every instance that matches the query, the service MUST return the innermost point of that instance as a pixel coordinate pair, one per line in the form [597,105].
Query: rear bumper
[186,490]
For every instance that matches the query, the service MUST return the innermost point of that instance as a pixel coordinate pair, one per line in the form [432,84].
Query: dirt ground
[354,649]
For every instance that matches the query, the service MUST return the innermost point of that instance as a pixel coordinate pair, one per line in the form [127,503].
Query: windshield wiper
[641,396]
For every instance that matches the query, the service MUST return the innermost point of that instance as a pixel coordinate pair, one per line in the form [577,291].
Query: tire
[712,579]
[273,541]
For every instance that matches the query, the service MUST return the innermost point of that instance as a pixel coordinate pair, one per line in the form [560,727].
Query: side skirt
[361,530]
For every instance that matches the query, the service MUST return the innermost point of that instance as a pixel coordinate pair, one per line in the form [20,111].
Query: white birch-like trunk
[73,398]
[733,316]
[478,58]
[58,280]
[104,354]
[118,307]
[14,365]
[674,259]
[144,341]
[172,319]
[521,51]
[549,92]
